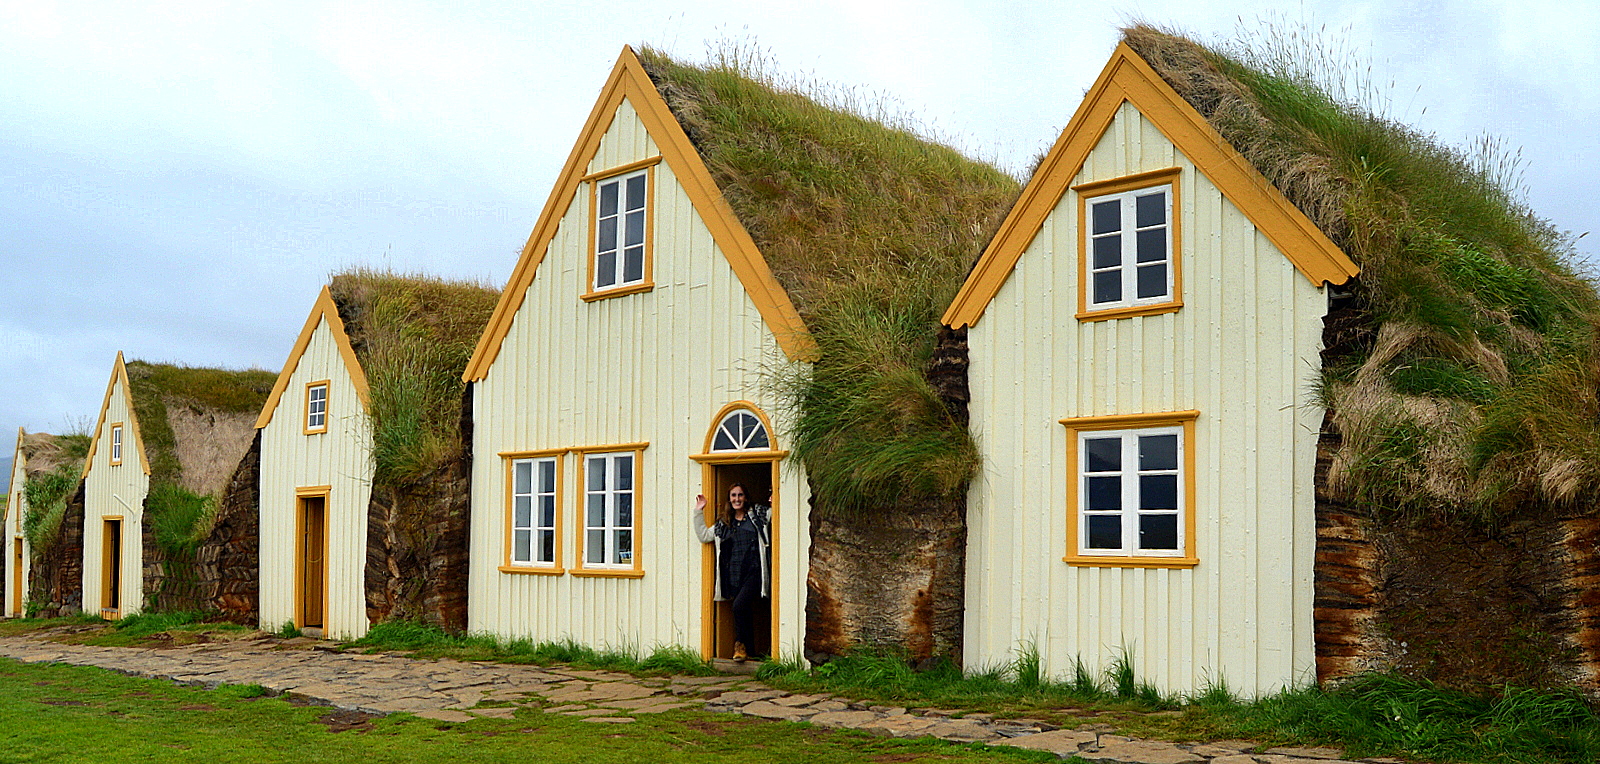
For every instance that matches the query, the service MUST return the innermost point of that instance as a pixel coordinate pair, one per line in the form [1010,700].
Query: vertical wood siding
[341,458]
[109,491]
[15,506]
[653,367]
[1243,351]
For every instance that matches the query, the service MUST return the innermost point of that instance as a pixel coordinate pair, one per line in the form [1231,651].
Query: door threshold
[734,667]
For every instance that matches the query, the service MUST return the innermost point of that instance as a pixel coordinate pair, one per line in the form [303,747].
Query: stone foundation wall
[228,561]
[56,579]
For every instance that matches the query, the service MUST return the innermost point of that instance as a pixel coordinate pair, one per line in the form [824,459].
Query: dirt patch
[342,721]
[717,727]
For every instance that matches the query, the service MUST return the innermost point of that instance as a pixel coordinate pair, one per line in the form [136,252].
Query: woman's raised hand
[699,502]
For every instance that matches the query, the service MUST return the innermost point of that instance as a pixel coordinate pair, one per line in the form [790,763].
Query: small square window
[1129,258]
[116,444]
[316,407]
[1132,499]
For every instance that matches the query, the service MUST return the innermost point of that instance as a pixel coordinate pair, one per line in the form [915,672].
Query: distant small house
[1144,329]
[165,443]
[347,537]
[13,593]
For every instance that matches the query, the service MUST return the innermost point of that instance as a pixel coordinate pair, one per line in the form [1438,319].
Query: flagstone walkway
[454,691]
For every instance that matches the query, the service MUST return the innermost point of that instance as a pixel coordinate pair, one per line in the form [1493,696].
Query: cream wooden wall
[112,490]
[16,504]
[1243,351]
[340,458]
[653,367]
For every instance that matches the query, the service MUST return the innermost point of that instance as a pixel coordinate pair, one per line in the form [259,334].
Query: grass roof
[54,465]
[1473,385]
[413,335]
[184,413]
[871,229]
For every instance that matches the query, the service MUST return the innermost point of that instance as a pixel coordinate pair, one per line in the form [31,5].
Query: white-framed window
[1129,248]
[741,430]
[620,229]
[116,444]
[534,511]
[1130,499]
[316,407]
[608,510]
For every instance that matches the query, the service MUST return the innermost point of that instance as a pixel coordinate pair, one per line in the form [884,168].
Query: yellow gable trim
[119,372]
[323,310]
[629,80]
[1127,78]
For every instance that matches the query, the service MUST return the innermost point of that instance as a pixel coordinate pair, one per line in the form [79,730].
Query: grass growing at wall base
[431,642]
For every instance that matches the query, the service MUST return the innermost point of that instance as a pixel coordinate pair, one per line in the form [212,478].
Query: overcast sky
[178,179]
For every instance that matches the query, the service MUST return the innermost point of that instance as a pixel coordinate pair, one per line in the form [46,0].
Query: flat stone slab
[446,716]
[1141,752]
[747,696]
[1307,753]
[769,710]
[837,719]
[660,707]
[1059,742]
[503,712]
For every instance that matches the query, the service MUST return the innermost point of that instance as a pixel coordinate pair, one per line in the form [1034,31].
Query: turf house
[44,477]
[164,448]
[362,494]
[1323,397]
[667,314]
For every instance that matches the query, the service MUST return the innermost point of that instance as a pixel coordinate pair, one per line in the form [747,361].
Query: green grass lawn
[56,713]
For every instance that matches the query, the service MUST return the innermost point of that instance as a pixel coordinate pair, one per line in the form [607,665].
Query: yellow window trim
[327,396]
[722,413]
[1127,78]
[593,181]
[1075,425]
[1095,189]
[323,310]
[117,449]
[629,81]
[119,373]
[507,459]
[579,567]
[304,491]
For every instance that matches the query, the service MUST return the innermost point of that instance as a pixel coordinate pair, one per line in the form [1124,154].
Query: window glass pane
[1108,286]
[633,234]
[1150,209]
[1158,452]
[605,269]
[1152,245]
[521,477]
[522,546]
[1108,251]
[1107,216]
[1105,531]
[723,441]
[636,192]
[547,477]
[1158,531]
[623,479]
[521,512]
[594,547]
[1104,493]
[624,509]
[608,199]
[758,439]
[547,511]
[624,540]
[597,474]
[1152,280]
[547,546]
[1102,454]
[607,240]
[633,264]
[1158,491]
[597,510]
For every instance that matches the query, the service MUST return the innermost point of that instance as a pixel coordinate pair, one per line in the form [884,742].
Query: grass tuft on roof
[1475,388]
[413,335]
[53,467]
[871,229]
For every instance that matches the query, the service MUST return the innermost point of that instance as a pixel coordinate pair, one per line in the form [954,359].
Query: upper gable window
[116,444]
[1129,251]
[316,408]
[620,256]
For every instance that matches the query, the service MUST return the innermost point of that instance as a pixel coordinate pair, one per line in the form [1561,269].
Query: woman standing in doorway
[743,538]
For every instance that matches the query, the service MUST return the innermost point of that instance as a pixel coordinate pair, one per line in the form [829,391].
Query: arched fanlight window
[741,430]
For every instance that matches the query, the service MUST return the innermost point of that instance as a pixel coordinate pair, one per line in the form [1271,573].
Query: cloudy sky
[177,179]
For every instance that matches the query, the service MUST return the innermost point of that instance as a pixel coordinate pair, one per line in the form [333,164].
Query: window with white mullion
[619,231]
[741,431]
[317,407]
[533,511]
[608,510]
[1130,247]
[1131,497]
[116,444]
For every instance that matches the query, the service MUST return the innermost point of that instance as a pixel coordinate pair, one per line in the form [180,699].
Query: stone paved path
[455,691]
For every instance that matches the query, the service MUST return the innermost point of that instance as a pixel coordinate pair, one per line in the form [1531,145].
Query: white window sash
[612,273]
[536,496]
[1128,264]
[1129,511]
[610,530]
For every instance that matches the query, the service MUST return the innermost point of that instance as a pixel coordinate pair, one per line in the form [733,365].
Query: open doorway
[757,479]
[311,568]
[16,575]
[111,569]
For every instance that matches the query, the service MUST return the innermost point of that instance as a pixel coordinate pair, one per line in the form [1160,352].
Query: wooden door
[311,589]
[111,569]
[16,575]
